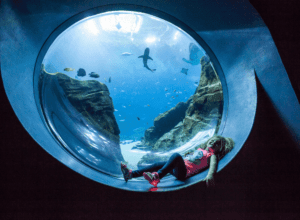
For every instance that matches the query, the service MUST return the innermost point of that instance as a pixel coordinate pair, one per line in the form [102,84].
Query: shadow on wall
[265,172]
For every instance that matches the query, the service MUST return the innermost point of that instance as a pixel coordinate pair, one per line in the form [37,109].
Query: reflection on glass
[127,86]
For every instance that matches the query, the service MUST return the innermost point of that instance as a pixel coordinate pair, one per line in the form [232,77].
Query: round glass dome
[128,86]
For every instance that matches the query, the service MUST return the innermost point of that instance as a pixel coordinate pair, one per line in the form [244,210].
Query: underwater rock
[202,111]
[91,99]
[81,72]
[165,122]
[82,111]
[151,158]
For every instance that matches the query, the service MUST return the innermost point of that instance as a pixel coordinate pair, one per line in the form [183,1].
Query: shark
[145,59]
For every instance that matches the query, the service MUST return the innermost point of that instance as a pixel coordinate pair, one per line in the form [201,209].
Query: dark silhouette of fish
[145,59]
[81,72]
[138,118]
[194,55]
[94,75]
[118,26]
[109,80]
[184,71]
[68,69]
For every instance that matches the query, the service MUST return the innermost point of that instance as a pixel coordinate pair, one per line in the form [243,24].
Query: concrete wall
[260,181]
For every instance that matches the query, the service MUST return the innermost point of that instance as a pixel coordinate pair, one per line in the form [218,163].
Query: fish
[174,90]
[196,82]
[116,110]
[184,71]
[109,80]
[122,120]
[81,72]
[138,118]
[173,97]
[176,95]
[140,129]
[148,105]
[68,69]
[195,52]
[118,26]
[145,59]
[166,89]
[123,106]
[94,75]
[119,115]
[122,91]
[126,54]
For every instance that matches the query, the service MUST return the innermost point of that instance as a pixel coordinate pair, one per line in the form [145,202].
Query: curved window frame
[168,184]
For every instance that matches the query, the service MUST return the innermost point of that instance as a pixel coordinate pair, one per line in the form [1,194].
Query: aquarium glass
[128,86]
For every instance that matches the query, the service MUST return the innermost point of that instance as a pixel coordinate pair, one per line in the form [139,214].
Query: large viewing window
[128,86]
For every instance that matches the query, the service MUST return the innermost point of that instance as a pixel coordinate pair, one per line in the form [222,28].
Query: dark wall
[282,18]
[261,182]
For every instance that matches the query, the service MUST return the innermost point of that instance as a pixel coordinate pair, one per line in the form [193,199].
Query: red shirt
[200,164]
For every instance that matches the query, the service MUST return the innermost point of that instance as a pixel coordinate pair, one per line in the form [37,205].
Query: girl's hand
[210,181]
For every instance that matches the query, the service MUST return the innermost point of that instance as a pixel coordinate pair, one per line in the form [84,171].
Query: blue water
[136,91]
[98,44]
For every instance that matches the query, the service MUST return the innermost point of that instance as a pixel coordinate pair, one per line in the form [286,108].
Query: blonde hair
[226,145]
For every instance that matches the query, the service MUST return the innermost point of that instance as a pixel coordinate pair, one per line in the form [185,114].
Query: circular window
[127,86]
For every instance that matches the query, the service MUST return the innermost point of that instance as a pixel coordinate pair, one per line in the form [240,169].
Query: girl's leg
[151,168]
[175,165]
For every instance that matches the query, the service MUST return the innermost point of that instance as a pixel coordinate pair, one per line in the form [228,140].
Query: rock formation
[91,99]
[165,122]
[202,111]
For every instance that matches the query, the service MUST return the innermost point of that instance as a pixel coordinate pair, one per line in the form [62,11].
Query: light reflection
[176,35]
[91,26]
[123,22]
[150,39]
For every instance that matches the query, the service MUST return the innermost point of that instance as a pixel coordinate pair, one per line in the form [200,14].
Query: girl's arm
[212,170]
